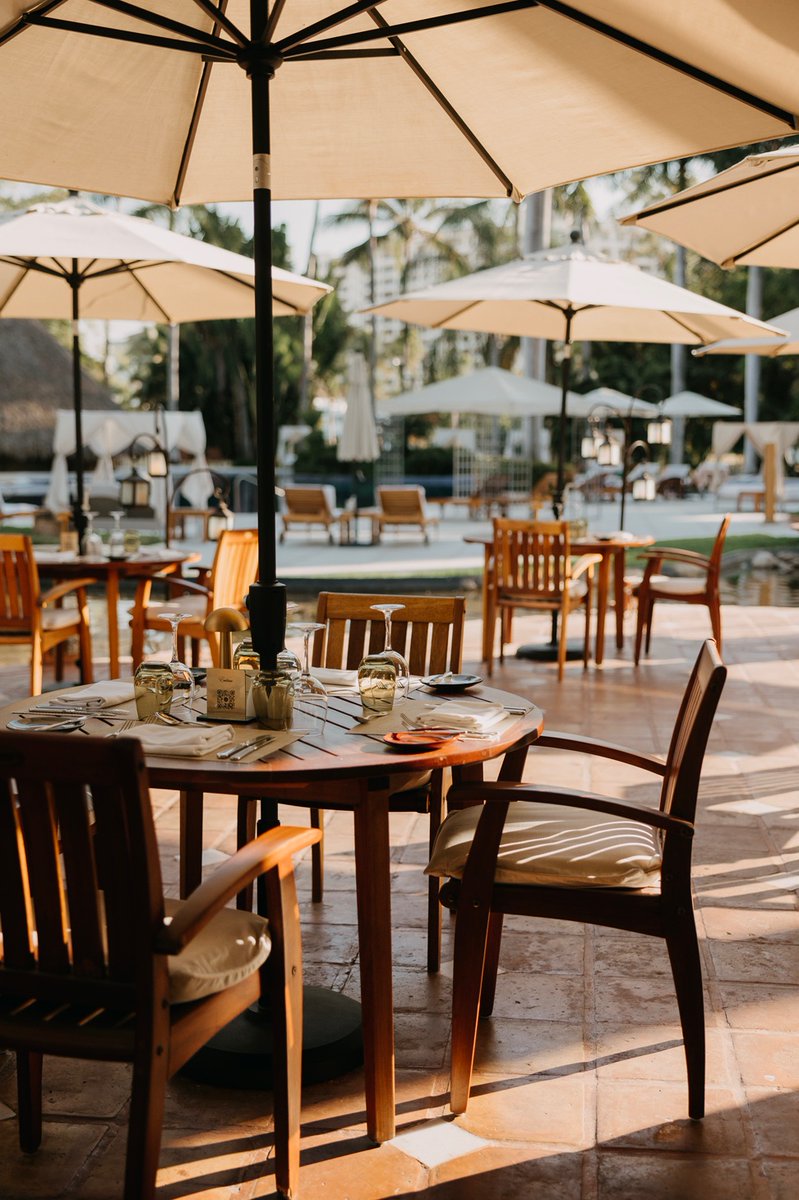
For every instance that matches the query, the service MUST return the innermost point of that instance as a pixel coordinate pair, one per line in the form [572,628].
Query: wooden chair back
[19,584]
[235,567]
[691,732]
[718,549]
[531,558]
[428,631]
[405,503]
[80,883]
[307,502]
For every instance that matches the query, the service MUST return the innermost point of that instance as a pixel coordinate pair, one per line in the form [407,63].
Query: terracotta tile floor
[579,1092]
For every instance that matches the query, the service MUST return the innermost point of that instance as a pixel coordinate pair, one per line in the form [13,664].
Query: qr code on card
[226,698]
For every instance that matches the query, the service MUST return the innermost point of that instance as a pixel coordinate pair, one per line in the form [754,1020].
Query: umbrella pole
[267,598]
[78,510]
[565,380]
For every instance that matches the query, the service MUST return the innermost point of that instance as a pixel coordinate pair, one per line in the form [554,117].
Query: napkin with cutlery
[181,741]
[105,694]
[472,716]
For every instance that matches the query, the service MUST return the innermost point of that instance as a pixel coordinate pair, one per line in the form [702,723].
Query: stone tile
[541,952]
[633,1114]
[641,1001]
[758,1006]
[768,1059]
[530,996]
[48,1173]
[782,1178]
[623,954]
[550,1110]
[672,1177]
[508,1173]
[339,1165]
[733,925]
[770,961]
[77,1088]
[774,1116]
[506,1047]
[650,1052]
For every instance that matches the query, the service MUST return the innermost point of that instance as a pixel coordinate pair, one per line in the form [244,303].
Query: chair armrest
[502,793]
[185,585]
[684,556]
[553,739]
[265,853]
[580,565]
[63,589]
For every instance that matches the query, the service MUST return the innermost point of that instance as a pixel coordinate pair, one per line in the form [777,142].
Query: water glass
[153,685]
[377,683]
[273,699]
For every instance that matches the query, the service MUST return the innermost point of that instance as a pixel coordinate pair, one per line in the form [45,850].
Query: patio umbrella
[490,392]
[358,442]
[75,260]
[572,296]
[691,404]
[767,347]
[375,98]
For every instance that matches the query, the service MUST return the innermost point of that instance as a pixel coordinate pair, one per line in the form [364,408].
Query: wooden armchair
[30,616]
[400,508]
[90,967]
[234,569]
[575,856]
[310,506]
[700,588]
[532,569]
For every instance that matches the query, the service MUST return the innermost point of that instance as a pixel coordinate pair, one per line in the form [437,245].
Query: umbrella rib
[454,116]
[328,55]
[196,113]
[221,18]
[12,290]
[151,298]
[127,35]
[671,202]
[671,60]
[424,23]
[34,265]
[750,249]
[161,22]
[23,21]
[302,36]
[273,18]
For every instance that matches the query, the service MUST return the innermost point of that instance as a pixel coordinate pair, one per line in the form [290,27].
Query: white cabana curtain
[107,434]
[782,434]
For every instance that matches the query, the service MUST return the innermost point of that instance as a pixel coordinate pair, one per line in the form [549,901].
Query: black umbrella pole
[267,598]
[78,507]
[557,499]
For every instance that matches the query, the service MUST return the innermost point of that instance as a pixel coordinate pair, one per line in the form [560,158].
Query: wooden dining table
[354,772]
[65,564]
[611,548]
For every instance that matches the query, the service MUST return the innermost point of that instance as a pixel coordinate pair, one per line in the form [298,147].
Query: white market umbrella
[569,295]
[358,442]
[491,392]
[74,260]
[766,347]
[375,98]
[692,404]
[747,215]
[612,398]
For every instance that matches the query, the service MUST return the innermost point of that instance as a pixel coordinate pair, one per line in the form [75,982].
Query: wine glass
[394,656]
[92,542]
[310,696]
[287,660]
[116,538]
[183,680]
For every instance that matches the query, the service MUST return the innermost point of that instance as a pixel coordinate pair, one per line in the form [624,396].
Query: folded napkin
[184,741]
[336,680]
[473,716]
[109,691]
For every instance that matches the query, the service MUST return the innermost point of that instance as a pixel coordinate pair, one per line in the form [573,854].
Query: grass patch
[734,542]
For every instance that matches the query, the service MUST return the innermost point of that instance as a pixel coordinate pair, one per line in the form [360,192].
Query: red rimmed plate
[419,740]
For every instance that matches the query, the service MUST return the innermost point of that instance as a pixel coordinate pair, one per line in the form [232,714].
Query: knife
[235,752]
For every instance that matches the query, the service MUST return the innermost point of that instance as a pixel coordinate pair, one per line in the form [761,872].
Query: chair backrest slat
[691,731]
[80,871]
[19,583]
[16,917]
[401,501]
[429,630]
[235,567]
[40,836]
[307,502]
[531,557]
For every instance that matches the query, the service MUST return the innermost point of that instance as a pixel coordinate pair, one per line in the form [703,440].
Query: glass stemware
[92,542]
[287,660]
[116,538]
[182,678]
[310,695]
[399,660]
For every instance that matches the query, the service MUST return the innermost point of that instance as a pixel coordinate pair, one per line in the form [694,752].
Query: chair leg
[643,604]
[245,832]
[37,667]
[589,595]
[493,943]
[281,977]
[317,821]
[29,1099]
[471,931]
[145,1124]
[650,613]
[86,663]
[686,968]
[59,662]
[436,805]
[562,644]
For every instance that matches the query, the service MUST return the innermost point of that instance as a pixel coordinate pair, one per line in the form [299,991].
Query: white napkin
[336,680]
[185,741]
[110,691]
[473,716]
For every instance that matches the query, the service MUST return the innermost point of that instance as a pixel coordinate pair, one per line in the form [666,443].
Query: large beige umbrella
[202,101]
[569,295]
[74,260]
[747,215]
[766,347]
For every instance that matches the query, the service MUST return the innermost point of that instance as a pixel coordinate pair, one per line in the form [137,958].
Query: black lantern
[134,490]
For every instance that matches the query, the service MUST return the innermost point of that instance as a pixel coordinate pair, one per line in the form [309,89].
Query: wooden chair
[400,508]
[310,506]
[429,632]
[702,588]
[532,569]
[548,852]
[90,968]
[30,616]
[235,567]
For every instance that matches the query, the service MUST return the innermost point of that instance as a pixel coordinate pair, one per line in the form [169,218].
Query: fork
[123,728]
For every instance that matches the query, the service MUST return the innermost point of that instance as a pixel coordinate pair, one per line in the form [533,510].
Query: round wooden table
[355,772]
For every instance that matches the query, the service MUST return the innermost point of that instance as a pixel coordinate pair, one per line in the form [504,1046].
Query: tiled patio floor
[580,1089]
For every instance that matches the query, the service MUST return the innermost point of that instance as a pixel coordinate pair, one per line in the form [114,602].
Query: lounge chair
[309,506]
[399,508]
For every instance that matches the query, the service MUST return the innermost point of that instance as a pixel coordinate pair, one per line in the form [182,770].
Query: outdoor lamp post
[609,451]
[134,490]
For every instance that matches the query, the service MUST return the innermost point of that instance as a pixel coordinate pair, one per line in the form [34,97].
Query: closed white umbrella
[692,404]
[766,347]
[358,442]
[570,295]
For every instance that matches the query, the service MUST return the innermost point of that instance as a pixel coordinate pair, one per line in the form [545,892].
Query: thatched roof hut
[35,381]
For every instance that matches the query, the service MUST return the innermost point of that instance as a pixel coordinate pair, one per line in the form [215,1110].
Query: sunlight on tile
[438,1142]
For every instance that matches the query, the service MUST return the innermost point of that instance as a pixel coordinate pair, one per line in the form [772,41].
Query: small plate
[451,683]
[418,740]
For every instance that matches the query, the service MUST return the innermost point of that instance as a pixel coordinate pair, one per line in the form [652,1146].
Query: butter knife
[233,753]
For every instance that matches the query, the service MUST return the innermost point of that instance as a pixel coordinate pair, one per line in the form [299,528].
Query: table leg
[488,634]
[373,883]
[602,589]
[191,842]
[618,592]
[112,598]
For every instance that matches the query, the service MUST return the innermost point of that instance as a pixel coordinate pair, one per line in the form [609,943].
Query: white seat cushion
[577,587]
[59,618]
[553,845]
[668,585]
[232,946]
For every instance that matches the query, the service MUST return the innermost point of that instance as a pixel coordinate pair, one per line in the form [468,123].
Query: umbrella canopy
[767,347]
[490,392]
[570,295]
[626,406]
[358,441]
[73,260]
[691,404]
[747,215]
[180,103]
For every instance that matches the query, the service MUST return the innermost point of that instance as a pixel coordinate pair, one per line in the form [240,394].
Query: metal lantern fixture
[134,490]
[608,453]
[588,447]
[658,432]
[157,465]
[644,487]
[221,519]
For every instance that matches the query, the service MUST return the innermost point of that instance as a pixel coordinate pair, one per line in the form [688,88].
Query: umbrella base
[240,1055]
[548,652]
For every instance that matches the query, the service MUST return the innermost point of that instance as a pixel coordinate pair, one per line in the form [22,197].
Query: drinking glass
[182,677]
[116,539]
[400,661]
[153,684]
[92,542]
[310,696]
